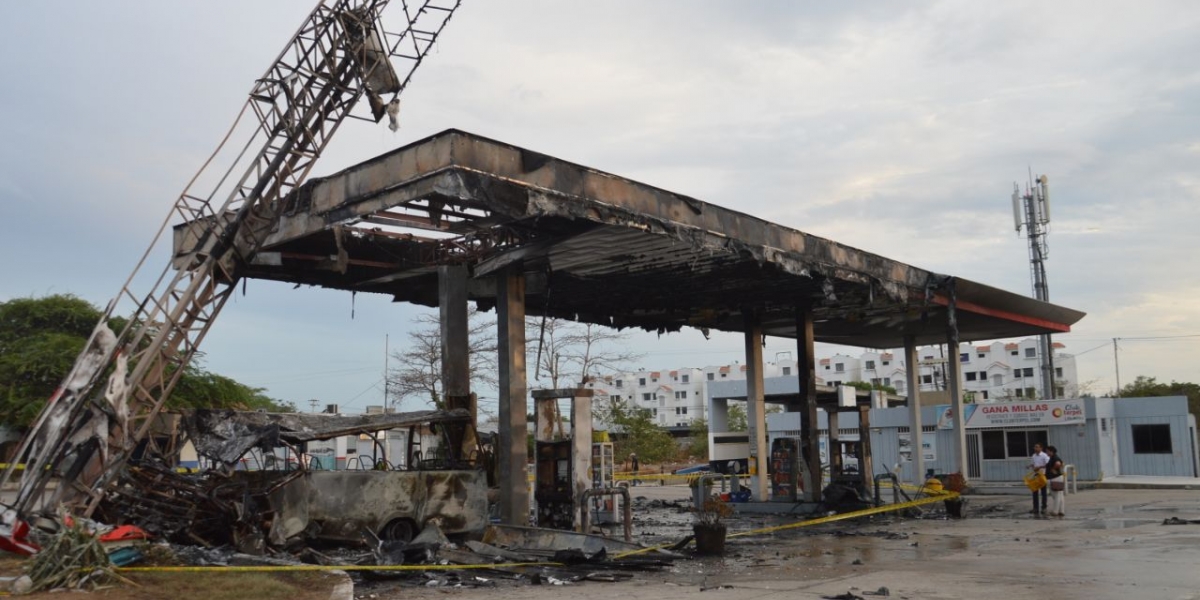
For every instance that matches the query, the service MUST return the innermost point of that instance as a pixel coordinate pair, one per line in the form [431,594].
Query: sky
[896,128]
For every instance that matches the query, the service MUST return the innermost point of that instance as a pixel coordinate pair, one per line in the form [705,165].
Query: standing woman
[1056,482]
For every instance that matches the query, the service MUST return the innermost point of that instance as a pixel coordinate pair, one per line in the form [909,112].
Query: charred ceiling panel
[226,435]
[605,249]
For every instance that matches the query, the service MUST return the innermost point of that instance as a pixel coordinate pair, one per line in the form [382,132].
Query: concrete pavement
[1111,545]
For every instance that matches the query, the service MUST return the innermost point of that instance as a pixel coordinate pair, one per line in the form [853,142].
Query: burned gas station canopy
[599,248]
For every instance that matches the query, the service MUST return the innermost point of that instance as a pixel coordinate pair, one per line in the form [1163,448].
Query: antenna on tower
[1032,211]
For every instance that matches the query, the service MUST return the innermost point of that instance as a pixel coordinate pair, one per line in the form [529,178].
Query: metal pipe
[698,496]
[895,488]
[626,508]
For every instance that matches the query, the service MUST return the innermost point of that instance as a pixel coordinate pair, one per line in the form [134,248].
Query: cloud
[895,128]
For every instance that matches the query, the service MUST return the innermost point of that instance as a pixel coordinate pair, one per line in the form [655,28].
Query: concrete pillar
[456,370]
[915,425]
[756,410]
[866,468]
[452,310]
[834,449]
[806,370]
[512,453]
[581,449]
[954,375]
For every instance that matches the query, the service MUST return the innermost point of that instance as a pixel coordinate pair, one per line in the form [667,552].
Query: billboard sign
[1014,414]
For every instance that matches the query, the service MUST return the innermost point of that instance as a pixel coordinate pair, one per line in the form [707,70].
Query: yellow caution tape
[656,477]
[818,521]
[21,467]
[283,568]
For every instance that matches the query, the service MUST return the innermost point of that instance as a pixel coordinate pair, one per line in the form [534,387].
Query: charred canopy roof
[603,249]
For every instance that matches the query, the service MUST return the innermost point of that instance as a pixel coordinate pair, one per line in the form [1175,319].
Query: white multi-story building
[991,373]
[674,398]
[996,372]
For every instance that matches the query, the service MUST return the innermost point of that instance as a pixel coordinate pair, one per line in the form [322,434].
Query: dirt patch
[209,586]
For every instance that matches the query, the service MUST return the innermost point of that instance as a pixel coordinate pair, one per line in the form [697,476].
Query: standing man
[633,465]
[1038,463]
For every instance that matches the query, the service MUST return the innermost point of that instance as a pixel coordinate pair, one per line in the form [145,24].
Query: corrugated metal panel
[1176,464]
[1148,407]
[1077,445]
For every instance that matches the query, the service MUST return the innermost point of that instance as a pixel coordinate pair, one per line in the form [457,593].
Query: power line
[1104,345]
[1160,337]
[374,385]
[308,376]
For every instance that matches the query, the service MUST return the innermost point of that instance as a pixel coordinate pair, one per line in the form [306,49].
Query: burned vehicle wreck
[264,489]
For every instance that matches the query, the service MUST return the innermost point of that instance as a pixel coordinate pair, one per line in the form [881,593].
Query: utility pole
[1117,367]
[387,408]
[1032,211]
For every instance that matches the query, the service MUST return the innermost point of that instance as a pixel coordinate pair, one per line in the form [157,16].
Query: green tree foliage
[1144,386]
[698,448]
[636,432]
[40,339]
[863,385]
[738,420]
[201,389]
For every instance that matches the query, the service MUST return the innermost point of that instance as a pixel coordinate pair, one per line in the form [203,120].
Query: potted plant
[709,528]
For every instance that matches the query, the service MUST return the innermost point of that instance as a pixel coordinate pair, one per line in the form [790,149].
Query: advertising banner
[1014,414]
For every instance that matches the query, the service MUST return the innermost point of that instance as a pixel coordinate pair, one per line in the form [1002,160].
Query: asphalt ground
[1112,543]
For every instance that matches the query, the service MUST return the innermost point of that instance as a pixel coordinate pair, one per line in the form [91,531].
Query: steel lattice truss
[340,54]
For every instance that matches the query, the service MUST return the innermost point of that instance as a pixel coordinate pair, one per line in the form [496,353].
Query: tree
[698,448]
[420,372]
[40,339]
[202,389]
[569,353]
[737,418]
[1144,386]
[867,386]
[636,432]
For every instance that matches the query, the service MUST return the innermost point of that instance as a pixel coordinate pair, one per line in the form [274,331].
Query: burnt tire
[398,530]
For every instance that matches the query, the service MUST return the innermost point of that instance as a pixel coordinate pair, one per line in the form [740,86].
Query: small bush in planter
[709,528]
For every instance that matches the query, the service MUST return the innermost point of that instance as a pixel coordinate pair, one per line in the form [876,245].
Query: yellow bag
[1035,480]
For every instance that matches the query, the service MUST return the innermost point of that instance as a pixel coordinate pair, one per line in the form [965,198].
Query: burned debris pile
[74,557]
[395,520]
[209,509]
[288,501]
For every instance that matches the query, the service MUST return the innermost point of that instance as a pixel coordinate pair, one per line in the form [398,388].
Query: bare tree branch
[419,374]
[568,353]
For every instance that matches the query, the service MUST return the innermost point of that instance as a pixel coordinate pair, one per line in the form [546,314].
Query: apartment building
[997,372]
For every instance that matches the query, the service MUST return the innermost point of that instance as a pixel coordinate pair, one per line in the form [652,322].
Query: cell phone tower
[1031,210]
